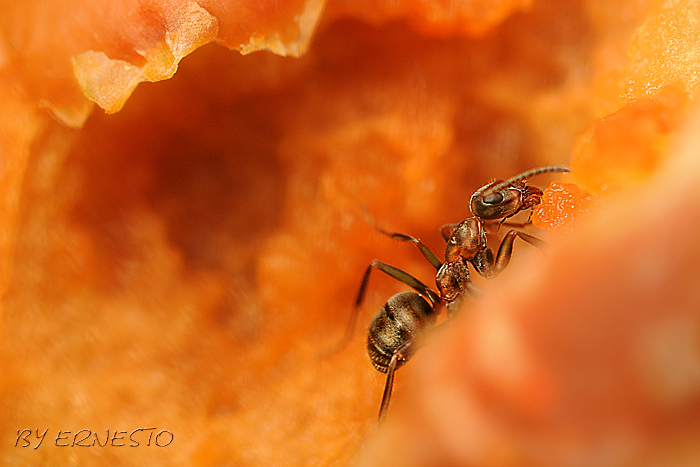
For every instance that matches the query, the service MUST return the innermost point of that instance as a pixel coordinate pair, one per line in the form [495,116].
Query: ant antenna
[522,176]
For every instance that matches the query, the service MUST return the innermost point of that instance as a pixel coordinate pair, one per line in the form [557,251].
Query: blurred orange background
[182,189]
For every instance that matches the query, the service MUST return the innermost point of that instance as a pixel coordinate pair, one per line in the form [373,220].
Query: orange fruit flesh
[187,262]
[563,204]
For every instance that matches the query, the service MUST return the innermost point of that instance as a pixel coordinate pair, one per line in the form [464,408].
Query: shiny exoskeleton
[398,326]
[491,206]
[392,333]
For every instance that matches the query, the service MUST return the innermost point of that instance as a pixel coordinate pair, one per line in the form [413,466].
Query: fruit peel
[110,82]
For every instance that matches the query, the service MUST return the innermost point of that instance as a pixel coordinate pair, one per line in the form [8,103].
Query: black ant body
[405,318]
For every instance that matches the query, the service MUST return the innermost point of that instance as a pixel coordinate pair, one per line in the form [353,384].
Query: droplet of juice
[562,205]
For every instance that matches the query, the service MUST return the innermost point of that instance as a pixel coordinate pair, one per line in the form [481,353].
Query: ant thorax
[468,238]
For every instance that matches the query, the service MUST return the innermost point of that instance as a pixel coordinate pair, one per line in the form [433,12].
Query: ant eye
[494,198]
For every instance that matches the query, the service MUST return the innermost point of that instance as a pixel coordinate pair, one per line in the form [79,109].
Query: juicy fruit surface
[563,204]
[189,261]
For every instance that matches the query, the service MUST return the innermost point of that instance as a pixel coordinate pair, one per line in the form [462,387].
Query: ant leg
[493,226]
[397,274]
[400,354]
[487,266]
[446,230]
[425,251]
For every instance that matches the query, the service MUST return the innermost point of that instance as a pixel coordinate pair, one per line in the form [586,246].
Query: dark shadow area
[209,171]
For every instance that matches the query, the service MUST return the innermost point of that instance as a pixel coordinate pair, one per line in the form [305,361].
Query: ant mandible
[398,326]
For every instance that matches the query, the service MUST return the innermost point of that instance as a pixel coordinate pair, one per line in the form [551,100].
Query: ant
[398,326]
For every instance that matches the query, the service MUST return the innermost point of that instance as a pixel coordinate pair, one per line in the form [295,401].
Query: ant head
[502,199]
[489,204]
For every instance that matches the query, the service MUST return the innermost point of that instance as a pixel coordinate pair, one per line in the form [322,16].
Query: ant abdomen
[398,323]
